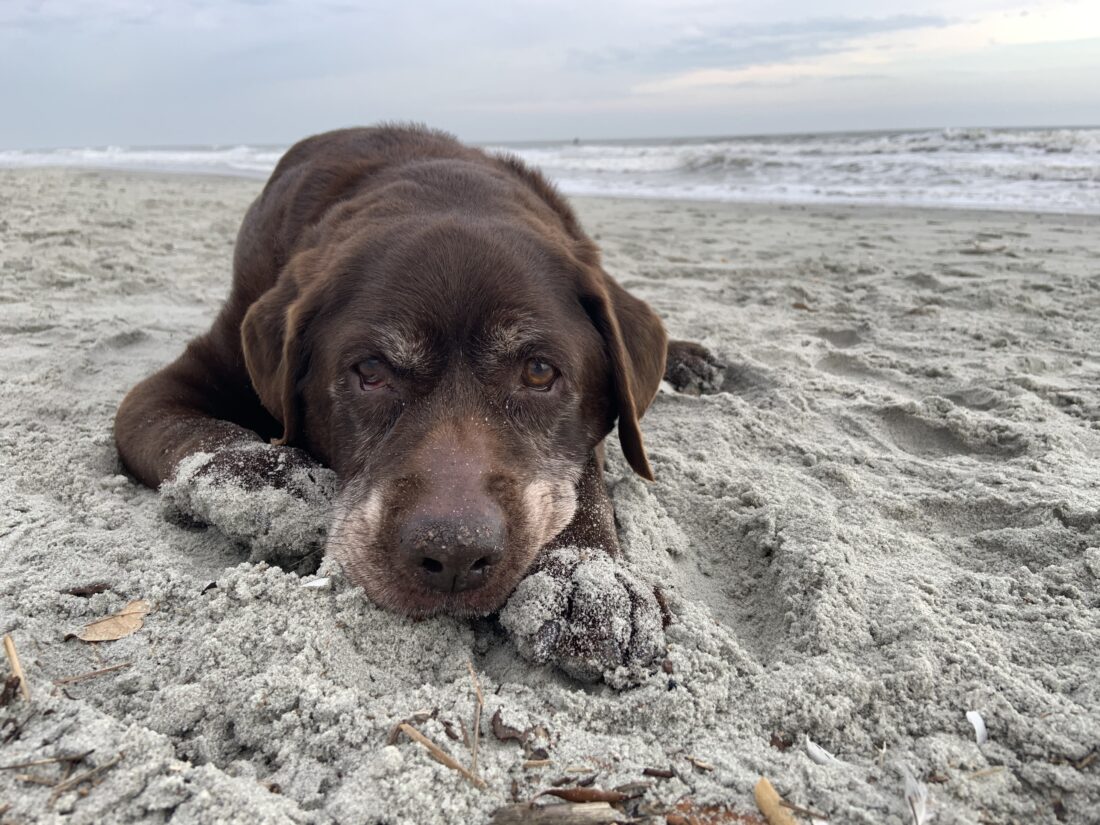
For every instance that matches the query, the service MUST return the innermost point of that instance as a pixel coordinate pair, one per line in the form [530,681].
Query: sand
[886,519]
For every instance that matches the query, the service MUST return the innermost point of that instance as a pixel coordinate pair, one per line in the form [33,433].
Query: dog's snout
[452,555]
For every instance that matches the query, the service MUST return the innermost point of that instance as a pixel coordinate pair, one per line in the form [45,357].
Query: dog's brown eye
[539,374]
[372,374]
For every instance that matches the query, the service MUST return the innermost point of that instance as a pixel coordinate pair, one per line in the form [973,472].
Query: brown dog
[431,322]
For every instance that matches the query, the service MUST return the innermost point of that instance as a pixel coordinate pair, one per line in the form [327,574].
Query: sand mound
[886,518]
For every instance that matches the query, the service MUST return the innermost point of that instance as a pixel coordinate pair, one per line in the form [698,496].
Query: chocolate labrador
[431,322]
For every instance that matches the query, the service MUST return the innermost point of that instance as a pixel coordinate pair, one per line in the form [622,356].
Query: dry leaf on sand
[126,621]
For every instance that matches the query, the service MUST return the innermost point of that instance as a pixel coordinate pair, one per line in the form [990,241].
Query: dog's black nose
[452,555]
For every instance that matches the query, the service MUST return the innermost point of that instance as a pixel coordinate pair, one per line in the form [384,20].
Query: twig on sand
[477,717]
[16,667]
[585,795]
[91,674]
[804,811]
[50,760]
[81,778]
[584,813]
[769,803]
[438,753]
[35,779]
[700,764]
[983,772]
[12,727]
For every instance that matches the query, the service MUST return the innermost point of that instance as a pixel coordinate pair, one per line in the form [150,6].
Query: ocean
[1050,170]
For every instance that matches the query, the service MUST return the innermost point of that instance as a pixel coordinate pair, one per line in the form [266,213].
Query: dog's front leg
[196,431]
[580,608]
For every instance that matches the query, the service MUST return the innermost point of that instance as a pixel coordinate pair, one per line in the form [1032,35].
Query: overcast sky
[133,72]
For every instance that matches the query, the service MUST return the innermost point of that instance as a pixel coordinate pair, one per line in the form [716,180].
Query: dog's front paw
[584,612]
[276,501]
[693,369]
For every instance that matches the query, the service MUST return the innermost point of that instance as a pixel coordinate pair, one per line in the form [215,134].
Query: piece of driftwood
[16,666]
[687,812]
[583,813]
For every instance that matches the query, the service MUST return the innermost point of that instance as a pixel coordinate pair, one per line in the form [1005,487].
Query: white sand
[889,519]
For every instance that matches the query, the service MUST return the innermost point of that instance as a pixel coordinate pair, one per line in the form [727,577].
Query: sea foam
[1054,170]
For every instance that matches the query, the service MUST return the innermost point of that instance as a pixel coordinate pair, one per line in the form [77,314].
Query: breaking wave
[1030,169]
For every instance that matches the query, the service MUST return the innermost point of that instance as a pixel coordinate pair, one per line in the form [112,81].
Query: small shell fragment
[318,584]
[818,753]
[980,733]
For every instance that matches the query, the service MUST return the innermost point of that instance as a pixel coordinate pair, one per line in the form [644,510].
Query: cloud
[746,45]
[912,45]
[184,71]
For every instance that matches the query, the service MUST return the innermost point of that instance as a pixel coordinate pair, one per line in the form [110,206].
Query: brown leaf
[781,742]
[449,729]
[505,732]
[8,689]
[85,590]
[585,795]
[117,626]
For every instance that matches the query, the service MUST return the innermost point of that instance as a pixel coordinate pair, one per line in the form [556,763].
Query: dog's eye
[372,374]
[539,374]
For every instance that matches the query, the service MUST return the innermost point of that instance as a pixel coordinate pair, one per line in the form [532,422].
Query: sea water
[1055,170]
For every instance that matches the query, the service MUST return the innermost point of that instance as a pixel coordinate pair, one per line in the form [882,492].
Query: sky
[183,72]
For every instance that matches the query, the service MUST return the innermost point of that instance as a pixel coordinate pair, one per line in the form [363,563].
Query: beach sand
[888,518]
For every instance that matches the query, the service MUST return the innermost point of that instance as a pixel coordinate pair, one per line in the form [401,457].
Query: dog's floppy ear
[637,346]
[272,334]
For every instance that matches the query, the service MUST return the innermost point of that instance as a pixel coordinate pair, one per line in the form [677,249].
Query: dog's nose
[452,555]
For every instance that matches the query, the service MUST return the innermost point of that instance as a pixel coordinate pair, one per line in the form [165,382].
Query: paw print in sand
[583,612]
[276,501]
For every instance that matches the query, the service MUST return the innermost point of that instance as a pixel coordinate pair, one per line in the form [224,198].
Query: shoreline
[261,178]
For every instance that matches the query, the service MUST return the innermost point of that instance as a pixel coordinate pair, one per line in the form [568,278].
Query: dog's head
[457,376]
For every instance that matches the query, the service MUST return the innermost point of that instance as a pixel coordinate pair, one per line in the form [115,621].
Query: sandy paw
[692,369]
[275,501]
[583,612]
